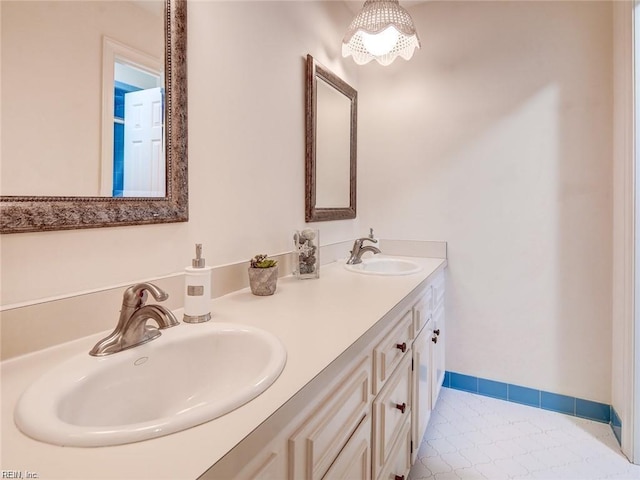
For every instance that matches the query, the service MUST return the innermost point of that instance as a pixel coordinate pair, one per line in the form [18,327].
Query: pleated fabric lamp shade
[382,31]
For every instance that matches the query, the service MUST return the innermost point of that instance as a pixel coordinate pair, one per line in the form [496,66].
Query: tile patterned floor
[475,437]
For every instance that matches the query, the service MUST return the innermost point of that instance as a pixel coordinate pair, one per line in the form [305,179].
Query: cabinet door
[319,440]
[422,385]
[391,411]
[354,461]
[438,352]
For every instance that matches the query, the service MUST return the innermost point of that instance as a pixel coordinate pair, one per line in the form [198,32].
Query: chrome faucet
[132,329]
[358,249]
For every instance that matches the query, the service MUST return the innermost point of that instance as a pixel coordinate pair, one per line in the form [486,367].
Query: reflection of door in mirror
[133,153]
[143,154]
[333,146]
[52,93]
[138,147]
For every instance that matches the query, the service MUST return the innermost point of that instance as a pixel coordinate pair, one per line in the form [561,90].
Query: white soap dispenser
[197,290]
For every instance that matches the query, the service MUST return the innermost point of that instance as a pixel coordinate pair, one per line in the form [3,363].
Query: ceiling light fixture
[383,30]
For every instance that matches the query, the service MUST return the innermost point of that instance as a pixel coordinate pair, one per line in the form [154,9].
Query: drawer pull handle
[402,407]
[434,339]
[399,477]
[437,332]
[402,346]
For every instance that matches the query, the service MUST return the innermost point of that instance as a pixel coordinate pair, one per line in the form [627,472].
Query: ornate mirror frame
[316,71]
[36,214]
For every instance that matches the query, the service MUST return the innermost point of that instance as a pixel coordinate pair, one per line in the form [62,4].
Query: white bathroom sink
[188,376]
[385,266]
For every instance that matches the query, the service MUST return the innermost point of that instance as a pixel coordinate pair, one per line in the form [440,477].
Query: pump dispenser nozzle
[198,262]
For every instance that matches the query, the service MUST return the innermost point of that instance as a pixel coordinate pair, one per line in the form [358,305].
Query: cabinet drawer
[316,444]
[354,461]
[422,311]
[391,411]
[438,289]
[399,463]
[391,350]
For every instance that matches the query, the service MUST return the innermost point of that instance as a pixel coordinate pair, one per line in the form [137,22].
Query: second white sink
[188,376]
[385,266]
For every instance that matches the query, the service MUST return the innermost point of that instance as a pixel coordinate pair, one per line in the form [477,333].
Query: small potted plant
[263,275]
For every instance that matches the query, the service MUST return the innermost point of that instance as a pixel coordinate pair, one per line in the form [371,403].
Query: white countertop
[316,320]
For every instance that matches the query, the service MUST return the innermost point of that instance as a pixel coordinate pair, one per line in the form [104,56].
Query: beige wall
[246,120]
[497,138]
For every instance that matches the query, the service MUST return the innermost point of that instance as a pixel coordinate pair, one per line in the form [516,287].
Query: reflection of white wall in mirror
[333,147]
[51,63]
[134,76]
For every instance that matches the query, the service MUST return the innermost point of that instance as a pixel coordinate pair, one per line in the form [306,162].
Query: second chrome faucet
[358,249]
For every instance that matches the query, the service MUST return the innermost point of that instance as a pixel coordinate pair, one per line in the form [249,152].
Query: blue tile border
[524,395]
[463,382]
[616,425]
[558,403]
[577,407]
[491,388]
[447,379]
[589,409]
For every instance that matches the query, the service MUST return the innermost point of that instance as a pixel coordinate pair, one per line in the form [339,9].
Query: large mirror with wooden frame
[63,174]
[331,145]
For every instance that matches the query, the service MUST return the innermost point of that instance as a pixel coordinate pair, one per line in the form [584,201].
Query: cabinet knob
[401,346]
[434,339]
[437,332]
[402,407]
[399,477]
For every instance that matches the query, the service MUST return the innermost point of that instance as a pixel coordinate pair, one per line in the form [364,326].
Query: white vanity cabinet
[335,411]
[428,357]
[364,416]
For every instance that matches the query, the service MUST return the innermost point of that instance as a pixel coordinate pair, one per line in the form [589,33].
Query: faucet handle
[136,295]
[373,240]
